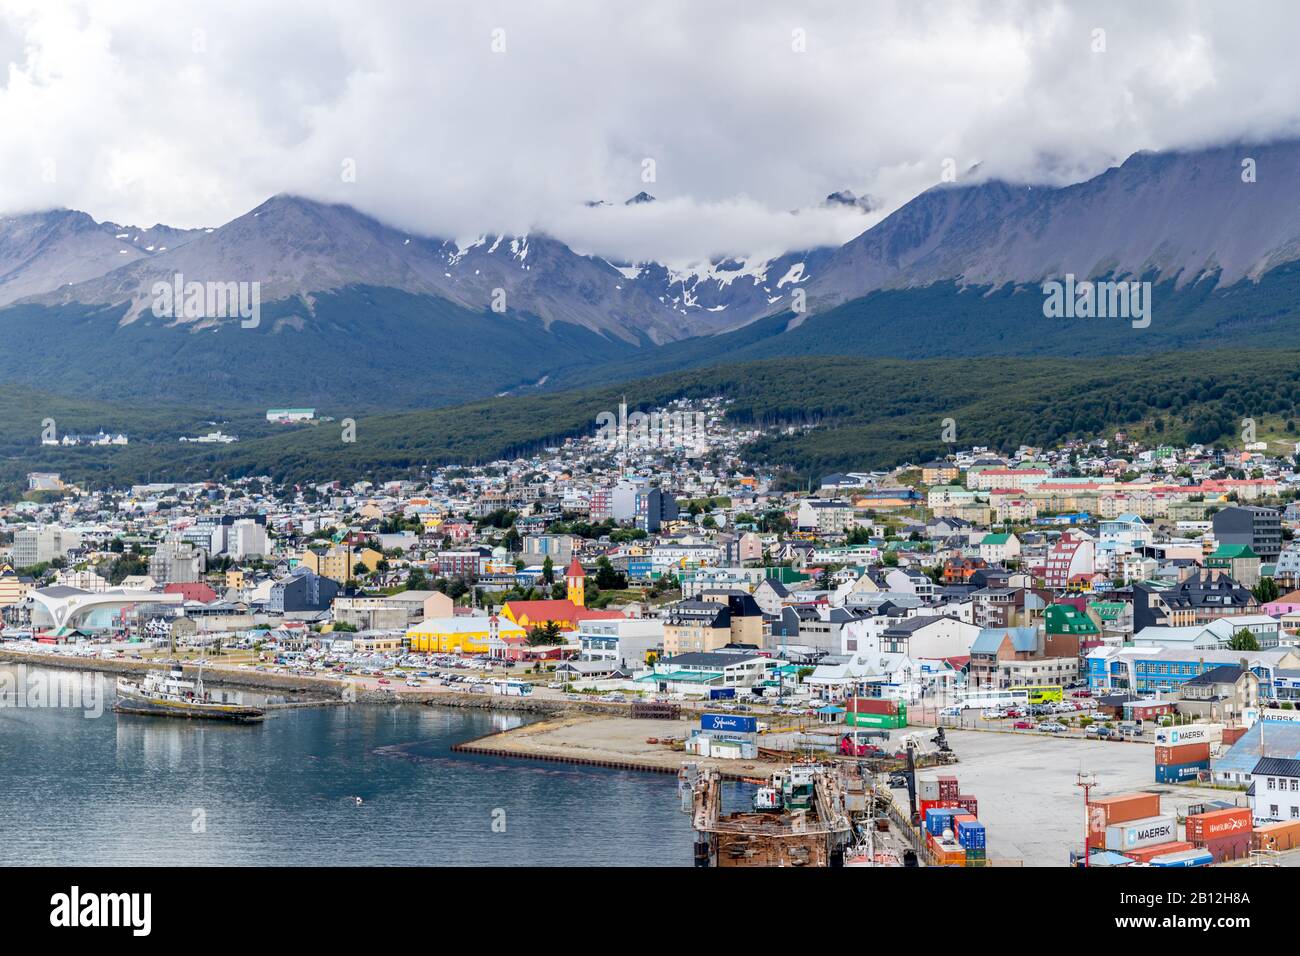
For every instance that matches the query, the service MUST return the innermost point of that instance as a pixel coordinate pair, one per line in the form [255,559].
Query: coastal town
[1121,618]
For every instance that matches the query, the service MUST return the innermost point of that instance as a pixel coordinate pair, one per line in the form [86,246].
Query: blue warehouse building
[1148,670]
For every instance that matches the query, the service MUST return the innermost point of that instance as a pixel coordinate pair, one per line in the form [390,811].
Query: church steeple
[575,580]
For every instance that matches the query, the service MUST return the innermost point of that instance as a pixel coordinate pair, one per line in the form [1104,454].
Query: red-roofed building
[192,592]
[529,614]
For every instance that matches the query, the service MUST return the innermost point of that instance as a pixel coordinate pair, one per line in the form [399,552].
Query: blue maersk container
[1179,772]
[971,835]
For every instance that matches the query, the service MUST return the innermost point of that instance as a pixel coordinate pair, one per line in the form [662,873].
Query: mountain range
[356,311]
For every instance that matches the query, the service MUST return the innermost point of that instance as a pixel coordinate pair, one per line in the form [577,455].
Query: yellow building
[12,587]
[235,579]
[459,635]
[337,563]
[376,644]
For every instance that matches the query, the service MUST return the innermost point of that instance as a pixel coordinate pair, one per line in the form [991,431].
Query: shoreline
[579,733]
[253,680]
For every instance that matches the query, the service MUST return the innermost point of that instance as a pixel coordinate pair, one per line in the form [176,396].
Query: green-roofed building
[1237,561]
[1068,619]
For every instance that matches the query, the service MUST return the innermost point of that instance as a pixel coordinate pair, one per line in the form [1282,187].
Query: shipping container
[884,721]
[939,819]
[1133,834]
[1119,808]
[729,722]
[927,789]
[956,822]
[1178,772]
[871,705]
[1146,853]
[968,803]
[722,693]
[924,805]
[1183,753]
[948,788]
[1218,824]
[1234,847]
[972,835]
[1232,734]
[1185,858]
[1189,734]
[1277,836]
[946,854]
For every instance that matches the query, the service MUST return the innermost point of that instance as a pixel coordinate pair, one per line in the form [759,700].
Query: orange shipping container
[1144,854]
[1277,836]
[1184,753]
[1120,808]
[946,855]
[1207,827]
[1232,734]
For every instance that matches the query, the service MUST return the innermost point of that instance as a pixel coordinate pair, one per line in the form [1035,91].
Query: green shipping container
[889,721]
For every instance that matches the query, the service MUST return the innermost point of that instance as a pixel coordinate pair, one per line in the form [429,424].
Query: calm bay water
[124,790]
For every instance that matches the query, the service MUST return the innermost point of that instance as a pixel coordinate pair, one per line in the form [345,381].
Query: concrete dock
[609,741]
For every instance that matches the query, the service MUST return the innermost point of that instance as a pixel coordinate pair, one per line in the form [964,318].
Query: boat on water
[169,694]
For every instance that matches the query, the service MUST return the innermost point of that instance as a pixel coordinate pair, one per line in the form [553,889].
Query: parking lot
[1025,784]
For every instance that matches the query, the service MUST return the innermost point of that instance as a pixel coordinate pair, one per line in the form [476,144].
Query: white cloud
[190,113]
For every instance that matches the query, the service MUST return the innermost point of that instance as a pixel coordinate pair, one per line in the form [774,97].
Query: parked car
[1099,730]
[1052,727]
[1023,725]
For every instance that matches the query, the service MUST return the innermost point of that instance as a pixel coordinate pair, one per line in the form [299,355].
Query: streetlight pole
[1086,781]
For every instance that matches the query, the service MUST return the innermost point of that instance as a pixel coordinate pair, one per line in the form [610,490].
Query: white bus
[513,688]
[992,699]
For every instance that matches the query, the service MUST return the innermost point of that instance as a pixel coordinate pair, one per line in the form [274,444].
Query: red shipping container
[924,805]
[1120,808]
[1144,854]
[1232,734]
[1183,753]
[1218,824]
[1236,847]
[948,788]
[871,705]
[968,803]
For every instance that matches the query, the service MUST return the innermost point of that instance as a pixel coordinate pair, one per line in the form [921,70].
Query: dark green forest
[852,414]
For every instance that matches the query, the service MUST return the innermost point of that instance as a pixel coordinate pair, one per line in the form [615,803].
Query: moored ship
[169,694]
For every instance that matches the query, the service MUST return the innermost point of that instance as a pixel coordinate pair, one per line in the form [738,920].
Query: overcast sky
[191,113]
